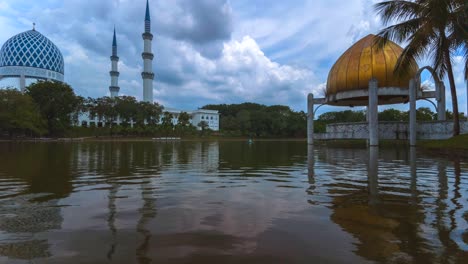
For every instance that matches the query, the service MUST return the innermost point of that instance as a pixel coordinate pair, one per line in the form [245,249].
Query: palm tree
[430,27]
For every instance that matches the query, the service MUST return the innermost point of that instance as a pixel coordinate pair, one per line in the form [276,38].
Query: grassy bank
[455,143]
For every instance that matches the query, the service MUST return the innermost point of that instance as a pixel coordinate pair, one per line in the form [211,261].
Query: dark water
[229,202]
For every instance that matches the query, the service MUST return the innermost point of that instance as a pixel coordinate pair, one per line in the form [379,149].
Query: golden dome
[361,62]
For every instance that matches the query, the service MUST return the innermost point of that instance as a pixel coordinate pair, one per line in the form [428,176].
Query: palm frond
[399,32]
[397,10]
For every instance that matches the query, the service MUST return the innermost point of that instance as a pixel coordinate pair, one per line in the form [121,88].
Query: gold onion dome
[348,80]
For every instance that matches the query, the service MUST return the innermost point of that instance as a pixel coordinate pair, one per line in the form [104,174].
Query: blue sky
[206,51]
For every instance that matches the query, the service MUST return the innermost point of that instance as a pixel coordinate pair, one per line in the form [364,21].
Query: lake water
[230,202]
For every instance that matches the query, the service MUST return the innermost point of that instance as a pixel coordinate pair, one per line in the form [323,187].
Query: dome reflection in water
[230,202]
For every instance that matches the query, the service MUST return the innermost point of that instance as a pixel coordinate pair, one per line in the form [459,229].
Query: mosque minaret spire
[147,56]
[114,73]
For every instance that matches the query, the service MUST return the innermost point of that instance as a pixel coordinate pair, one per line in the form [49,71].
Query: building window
[202,117]
[211,118]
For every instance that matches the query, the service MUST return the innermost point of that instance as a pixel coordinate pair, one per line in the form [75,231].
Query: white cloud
[242,73]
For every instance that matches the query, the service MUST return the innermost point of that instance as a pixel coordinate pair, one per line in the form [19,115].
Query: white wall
[394,130]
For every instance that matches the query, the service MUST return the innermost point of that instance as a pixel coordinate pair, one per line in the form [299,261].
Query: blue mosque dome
[31,55]
[31,49]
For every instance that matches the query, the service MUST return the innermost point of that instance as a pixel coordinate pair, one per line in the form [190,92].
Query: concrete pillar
[412,113]
[372,175]
[310,119]
[373,113]
[22,83]
[440,91]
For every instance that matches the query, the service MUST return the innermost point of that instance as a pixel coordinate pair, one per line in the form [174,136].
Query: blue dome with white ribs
[31,49]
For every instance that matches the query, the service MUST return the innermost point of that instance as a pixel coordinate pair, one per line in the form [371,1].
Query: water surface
[229,202]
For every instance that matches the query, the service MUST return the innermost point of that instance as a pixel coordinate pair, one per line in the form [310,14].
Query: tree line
[53,109]
[256,120]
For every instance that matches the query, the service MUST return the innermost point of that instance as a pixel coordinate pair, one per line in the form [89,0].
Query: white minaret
[148,56]
[114,73]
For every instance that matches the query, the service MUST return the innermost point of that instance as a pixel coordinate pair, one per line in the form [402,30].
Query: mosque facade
[30,56]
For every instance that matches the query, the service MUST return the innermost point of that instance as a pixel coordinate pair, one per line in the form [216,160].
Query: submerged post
[440,90]
[373,113]
[372,174]
[310,119]
[412,114]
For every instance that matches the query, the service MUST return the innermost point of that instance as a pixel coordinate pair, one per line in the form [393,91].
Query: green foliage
[250,119]
[126,108]
[19,114]
[203,125]
[184,119]
[393,115]
[425,114]
[166,120]
[343,116]
[57,102]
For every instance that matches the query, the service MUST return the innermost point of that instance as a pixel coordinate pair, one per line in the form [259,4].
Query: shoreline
[456,143]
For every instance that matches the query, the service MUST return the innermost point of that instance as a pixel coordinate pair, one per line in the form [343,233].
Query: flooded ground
[229,202]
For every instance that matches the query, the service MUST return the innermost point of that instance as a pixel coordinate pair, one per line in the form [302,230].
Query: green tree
[343,116]
[149,113]
[184,119]
[19,114]
[126,108]
[57,102]
[105,110]
[430,27]
[424,114]
[166,120]
[243,119]
[392,115]
[203,125]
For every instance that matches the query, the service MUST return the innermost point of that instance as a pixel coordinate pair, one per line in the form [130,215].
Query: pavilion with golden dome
[364,76]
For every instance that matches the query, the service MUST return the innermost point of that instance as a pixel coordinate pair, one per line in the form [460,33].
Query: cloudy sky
[206,51]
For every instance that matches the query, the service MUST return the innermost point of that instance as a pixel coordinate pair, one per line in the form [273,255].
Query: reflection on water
[229,202]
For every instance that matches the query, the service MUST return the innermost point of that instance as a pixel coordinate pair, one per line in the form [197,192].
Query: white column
[22,83]
[147,73]
[373,113]
[310,119]
[440,90]
[412,114]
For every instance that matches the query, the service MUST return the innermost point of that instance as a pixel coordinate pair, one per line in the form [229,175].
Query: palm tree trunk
[453,92]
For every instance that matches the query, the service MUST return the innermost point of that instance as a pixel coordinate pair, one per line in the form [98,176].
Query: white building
[211,117]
